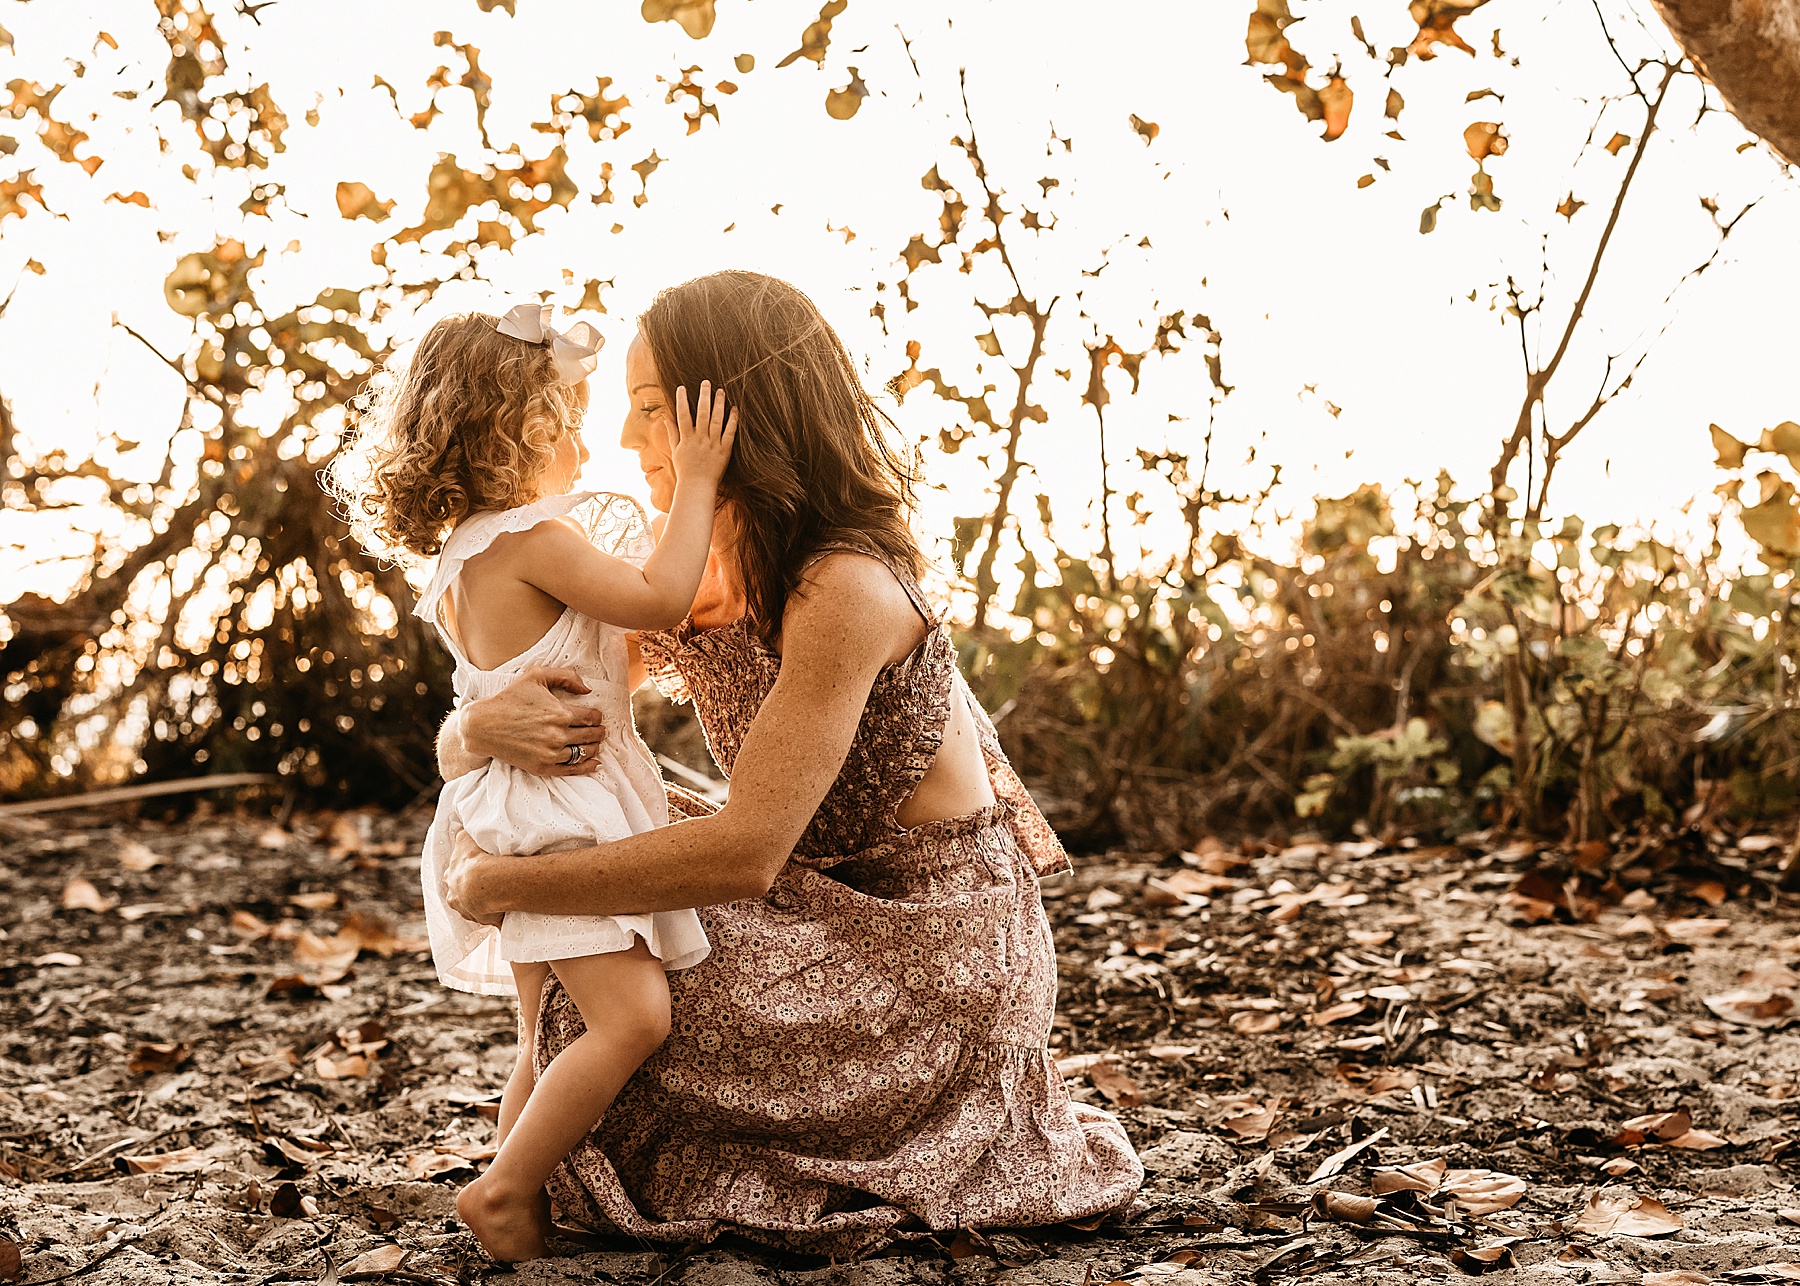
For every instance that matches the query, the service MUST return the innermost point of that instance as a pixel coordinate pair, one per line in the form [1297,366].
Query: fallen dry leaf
[314,901]
[157,1058]
[326,959]
[1101,898]
[80,895]
[1698,1141]
[1754,1006]
[1337,1013]
[1657,1127]
[1488,1259]
[429,1165]
[1482,1192]
[373,1263]
[1247,1118]
[63,959]
[182,1161]
[143,910]
[248,926]
[1626,1214]
[338,1069]
[1115,1085]
[1335,1163]
[137,858]
[1678,1277]
[1697,929]
[12,1260]
[1345,1207]
[1252,1022]
[1422,1176]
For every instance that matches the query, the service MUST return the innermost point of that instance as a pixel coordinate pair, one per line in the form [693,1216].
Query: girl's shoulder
[611,522]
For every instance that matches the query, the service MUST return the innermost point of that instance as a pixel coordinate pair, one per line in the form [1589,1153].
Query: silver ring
[576,755]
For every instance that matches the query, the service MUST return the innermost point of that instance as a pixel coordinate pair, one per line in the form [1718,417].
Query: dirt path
[224,1061]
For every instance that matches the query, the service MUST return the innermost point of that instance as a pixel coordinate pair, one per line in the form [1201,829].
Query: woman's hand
[465,878]
[532,723]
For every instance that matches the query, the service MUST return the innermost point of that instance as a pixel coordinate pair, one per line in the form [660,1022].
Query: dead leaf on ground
[1422,1176]
[325,959]
[1115,1085]
[289,1203]
[1696,929]
[1251,1022]
[181,1161]
[1247,1118]
[1678,1277]
[1482,1192]
[1345,1207]
[346,1067]
[157,1057]
[247,926]
[1488,1259]
[314,901]
[1626,1214]
[137,858]
[432,1165]
[80,895]
[1335,1163]
[1337,1013]
[1754,1006]
[12,1260]
[373,1263]
[1657,1127]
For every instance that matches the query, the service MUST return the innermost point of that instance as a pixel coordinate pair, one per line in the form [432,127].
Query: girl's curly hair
[470,423]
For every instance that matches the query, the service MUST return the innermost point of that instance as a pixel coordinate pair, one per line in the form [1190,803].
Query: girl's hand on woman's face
[703,440]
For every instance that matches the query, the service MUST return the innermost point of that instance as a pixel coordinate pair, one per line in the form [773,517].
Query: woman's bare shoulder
[856,600]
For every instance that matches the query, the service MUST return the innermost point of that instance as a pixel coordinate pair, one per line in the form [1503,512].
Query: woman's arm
[851,620]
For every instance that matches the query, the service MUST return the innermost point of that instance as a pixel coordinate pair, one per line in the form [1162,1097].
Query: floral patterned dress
[864,1053]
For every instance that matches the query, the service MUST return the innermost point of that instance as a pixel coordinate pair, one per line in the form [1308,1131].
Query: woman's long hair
[814,463]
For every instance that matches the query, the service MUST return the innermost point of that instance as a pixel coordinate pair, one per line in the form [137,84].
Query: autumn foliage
[1424,660]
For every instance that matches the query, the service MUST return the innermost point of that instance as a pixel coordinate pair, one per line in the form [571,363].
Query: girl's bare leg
[530,979]
[623,998]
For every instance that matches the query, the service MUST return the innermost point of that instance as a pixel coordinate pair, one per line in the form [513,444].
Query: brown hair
[813,464]
[469,423]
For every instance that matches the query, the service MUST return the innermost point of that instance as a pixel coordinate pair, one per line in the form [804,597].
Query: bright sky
[1323,293]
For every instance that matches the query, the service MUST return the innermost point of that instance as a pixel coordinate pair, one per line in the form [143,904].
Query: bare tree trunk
[1750,51]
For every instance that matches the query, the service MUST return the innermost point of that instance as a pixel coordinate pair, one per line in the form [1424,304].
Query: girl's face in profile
[569,454]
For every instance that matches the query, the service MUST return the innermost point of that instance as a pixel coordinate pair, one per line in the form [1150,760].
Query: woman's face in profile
[649,423]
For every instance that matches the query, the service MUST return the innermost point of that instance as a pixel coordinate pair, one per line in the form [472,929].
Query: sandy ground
[225,1060]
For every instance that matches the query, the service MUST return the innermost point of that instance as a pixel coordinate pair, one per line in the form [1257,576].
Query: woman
[864,1054]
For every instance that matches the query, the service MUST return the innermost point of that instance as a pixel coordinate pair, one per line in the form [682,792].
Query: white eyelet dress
[508,810]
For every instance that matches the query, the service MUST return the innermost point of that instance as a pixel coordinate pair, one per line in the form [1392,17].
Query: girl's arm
[557,558]
[852,619]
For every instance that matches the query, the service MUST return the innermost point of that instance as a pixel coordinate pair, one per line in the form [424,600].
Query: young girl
[469,455]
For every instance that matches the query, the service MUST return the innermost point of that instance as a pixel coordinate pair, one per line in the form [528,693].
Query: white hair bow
[574,351]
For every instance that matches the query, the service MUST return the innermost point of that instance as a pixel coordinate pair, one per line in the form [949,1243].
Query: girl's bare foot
[509,1228]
